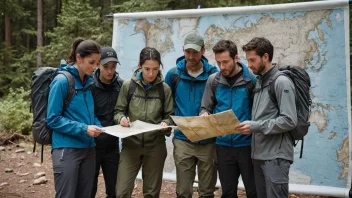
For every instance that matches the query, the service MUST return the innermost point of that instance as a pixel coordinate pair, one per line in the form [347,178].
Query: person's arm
[121,105]
[55,119]
[168,105]
[287,119]
[209,97]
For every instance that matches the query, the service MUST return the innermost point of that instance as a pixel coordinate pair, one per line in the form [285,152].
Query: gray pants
[73,172]
[271,178]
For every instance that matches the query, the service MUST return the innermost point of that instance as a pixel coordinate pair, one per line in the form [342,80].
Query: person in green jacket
[151,102]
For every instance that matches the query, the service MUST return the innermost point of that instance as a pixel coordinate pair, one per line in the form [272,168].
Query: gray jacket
[270,126]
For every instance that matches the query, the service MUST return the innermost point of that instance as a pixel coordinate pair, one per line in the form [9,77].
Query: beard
[260,69]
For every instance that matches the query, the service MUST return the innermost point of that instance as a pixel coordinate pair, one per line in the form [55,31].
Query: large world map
[314,40]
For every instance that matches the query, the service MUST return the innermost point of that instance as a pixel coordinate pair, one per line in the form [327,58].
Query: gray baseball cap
[194,41]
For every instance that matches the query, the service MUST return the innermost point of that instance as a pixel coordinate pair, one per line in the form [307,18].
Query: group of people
[261,154]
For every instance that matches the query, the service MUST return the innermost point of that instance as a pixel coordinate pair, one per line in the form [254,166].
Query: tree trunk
[40,32]
[7,39]
[58,8]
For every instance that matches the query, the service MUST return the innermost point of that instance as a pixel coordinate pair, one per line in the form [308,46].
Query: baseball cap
[194,40]
[108,54]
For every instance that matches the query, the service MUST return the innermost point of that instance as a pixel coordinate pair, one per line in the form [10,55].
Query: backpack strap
[271,88]
[175,80]
[131,90]
[70,90]
[250,86]
[162,95]
[215,83]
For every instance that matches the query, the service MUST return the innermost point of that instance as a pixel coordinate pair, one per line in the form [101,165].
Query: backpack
[40,82]
[132,89]
[301,81]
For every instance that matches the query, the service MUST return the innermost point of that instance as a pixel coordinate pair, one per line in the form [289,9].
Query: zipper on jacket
[145,117]
[232,140]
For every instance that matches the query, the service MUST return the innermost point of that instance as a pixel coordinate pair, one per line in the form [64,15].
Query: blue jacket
[70,127]
[189,91]
[235,98]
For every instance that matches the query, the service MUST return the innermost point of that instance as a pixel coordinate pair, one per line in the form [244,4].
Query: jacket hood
[99,84]
[73,70]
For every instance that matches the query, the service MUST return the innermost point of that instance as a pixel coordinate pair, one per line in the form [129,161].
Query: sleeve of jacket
[209,97]
[168,105]
[287,119]
[97,122]
[55,119]
[121,105]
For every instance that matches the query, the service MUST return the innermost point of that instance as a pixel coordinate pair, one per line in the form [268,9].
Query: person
[74,129]
[192,70]
[272,148]
[148,105]
[107,84]
[234,90]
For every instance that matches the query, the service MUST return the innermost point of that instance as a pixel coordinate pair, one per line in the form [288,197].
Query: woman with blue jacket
[74,129]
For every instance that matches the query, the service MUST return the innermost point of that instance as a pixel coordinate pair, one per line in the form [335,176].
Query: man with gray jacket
[272,147]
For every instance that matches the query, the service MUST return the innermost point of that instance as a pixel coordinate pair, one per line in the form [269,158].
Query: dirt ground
[18,156]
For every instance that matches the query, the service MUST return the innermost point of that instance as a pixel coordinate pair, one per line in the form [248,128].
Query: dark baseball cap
[108,54]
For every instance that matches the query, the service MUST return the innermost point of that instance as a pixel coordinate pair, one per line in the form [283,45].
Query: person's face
[150,70]
[255,62]
[226,63]
[89,63]
[107,70]
[193,56]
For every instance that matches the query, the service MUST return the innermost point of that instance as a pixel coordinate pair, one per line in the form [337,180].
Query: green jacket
[146,110]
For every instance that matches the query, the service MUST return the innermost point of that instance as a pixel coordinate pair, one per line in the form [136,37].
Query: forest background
[38,33]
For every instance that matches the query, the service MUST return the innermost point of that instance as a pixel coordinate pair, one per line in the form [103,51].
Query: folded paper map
[202,127]
[137,127]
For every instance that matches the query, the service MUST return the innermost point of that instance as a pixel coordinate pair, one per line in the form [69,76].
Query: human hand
[244,127]
[164,125]
[204,114]
[125,122]
[94,131]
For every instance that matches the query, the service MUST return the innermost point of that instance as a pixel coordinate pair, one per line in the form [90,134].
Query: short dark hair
[83,48]
[149,53]
[261,46]
[225,45]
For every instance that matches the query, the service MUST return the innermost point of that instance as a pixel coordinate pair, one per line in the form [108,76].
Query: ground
[17,155]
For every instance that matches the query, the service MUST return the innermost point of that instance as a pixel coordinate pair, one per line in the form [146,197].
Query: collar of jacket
[264,79]
[181,65]
[99,84]
[73,70]
[244,78]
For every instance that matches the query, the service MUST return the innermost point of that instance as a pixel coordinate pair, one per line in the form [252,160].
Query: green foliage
[76,20]
[14,111]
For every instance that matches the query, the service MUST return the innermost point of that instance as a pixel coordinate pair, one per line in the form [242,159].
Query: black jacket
[105,98]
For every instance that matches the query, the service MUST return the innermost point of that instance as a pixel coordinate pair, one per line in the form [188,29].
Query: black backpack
[301,81]
[40,82]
